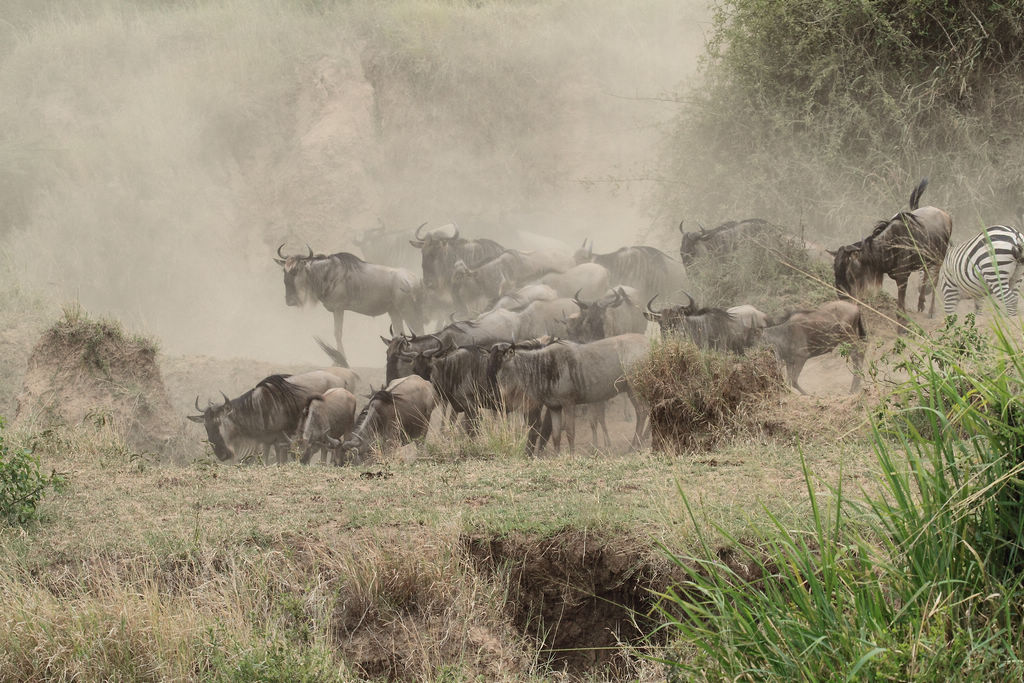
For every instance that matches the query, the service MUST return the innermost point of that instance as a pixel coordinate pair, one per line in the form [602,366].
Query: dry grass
[700,398]
[143,570]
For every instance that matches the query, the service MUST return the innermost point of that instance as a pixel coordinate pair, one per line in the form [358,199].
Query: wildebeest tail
[915,196]
[336,356]
[862,331]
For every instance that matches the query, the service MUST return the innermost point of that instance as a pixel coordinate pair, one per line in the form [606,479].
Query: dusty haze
[154,157]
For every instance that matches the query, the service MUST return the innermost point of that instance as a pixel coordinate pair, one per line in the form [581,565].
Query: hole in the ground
[582,597]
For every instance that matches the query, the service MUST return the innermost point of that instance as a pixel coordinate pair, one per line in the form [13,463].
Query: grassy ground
[415,567]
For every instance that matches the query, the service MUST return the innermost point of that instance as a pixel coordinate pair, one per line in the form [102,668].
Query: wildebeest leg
[901,303]
[556,428]
[569,414]
[642,422]
[601,410]
[793,370]
[472,417]
[339,322]
[857,356]
[538,422]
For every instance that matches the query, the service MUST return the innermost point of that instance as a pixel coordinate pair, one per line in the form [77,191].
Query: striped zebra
[990,264]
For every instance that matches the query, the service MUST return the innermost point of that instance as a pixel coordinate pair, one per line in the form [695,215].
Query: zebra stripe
[989,264]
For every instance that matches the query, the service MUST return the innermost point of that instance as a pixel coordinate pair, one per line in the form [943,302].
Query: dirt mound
[90,370]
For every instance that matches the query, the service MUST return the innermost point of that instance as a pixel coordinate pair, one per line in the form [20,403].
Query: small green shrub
[22,485]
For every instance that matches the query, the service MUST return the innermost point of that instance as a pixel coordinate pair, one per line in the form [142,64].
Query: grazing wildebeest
[615,313]
[806,334]
[344,282]
[990,264]
[326,421]
[563,374]
[721,239]
[650,270]
[709,328]
[587,280]
[263,417]
[909,241]
[401,412]
[474,286]
[439,253]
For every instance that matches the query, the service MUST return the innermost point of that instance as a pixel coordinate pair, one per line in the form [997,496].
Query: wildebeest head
[670,318]
[438,255]
[296,277]
[372,423]
[850,267]
[689,246]
[218,423]
[589,324]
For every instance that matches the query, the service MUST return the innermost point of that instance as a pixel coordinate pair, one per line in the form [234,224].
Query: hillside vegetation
[827,113]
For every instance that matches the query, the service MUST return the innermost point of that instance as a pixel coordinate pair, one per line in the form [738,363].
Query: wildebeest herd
[486,328]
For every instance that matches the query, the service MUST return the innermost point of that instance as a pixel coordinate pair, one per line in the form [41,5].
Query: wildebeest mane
[256,414]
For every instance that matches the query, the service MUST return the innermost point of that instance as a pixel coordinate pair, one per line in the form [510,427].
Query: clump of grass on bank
[921,581]
[700,398]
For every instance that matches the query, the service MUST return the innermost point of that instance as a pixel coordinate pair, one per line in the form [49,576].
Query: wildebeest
[401,412]
[909,241]
[709,328]
[474,286]
[263,417]
[650,270]
[617,312]
[459,376]
[806,334]
[344,282]
[721,239]
[524,296]
[587,280]
[326,421]
[439,252]
[563,374]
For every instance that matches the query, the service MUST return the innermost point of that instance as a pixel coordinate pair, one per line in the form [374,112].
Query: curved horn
[197,404]
[279,251]
[417,235]
[681,227]
[576,299]
[701,227]
[692,302]
[455,232]
[310,250]
[226,399]
[651,310]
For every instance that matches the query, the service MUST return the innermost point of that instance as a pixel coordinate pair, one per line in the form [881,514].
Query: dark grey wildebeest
[805,334]
[909,241]
[440,251]
[401,413]
[564,374]
[459,376]
[265,416]
[649,270]
[326,421]
[344,282]
[722,239]
[708,328]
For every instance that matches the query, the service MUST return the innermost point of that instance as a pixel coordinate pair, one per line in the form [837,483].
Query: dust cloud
[153,156]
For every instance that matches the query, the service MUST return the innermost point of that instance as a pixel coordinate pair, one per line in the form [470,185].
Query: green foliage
[920,581]
[824,105]
[22,485]
[275,659]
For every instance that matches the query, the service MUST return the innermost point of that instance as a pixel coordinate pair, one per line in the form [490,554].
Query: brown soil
[83,370]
